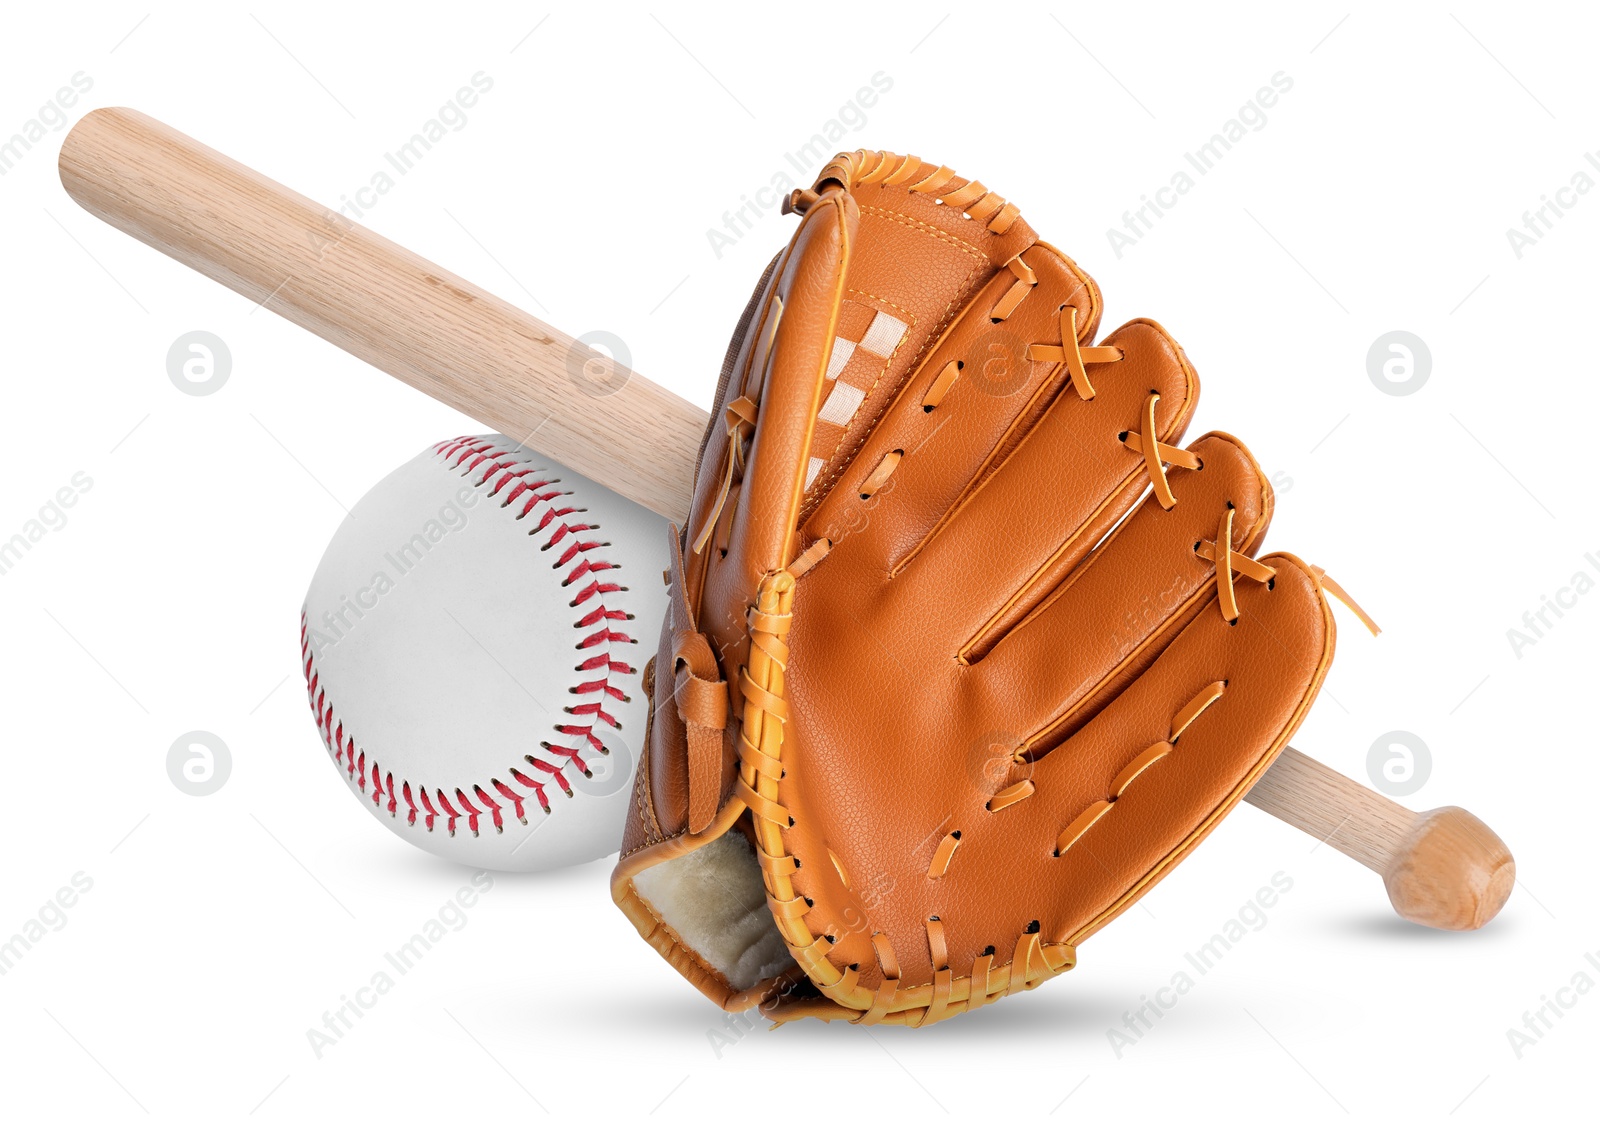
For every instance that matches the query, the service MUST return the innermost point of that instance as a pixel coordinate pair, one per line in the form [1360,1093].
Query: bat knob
[1451,872]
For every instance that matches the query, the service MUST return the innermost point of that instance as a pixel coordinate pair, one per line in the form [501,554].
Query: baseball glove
[964,653]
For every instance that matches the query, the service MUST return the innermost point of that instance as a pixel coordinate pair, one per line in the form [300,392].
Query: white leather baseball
[472,643]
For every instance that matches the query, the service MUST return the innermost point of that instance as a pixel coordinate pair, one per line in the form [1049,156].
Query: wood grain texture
[469,349]
[1444,868]
[1329,806]
[385,305]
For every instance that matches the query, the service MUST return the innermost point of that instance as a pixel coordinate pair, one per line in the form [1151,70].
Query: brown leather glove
[960,695]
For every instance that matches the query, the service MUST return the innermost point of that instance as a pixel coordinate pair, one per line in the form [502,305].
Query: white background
[1376,197]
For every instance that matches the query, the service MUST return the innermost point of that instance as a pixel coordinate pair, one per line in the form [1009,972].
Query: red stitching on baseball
[469,454]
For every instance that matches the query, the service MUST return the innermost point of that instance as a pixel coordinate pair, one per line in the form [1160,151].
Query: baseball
[472,643]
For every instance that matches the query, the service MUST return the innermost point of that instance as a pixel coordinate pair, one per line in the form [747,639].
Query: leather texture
[1001,685]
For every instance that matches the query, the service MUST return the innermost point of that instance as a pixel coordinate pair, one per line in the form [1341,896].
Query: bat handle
[1444,868]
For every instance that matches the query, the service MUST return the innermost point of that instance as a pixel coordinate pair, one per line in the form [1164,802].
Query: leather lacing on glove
[760,684]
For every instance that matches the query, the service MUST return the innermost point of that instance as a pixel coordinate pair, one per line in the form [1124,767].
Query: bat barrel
[385,305]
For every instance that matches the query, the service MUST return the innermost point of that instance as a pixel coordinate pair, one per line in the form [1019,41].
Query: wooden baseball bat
[462,345]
